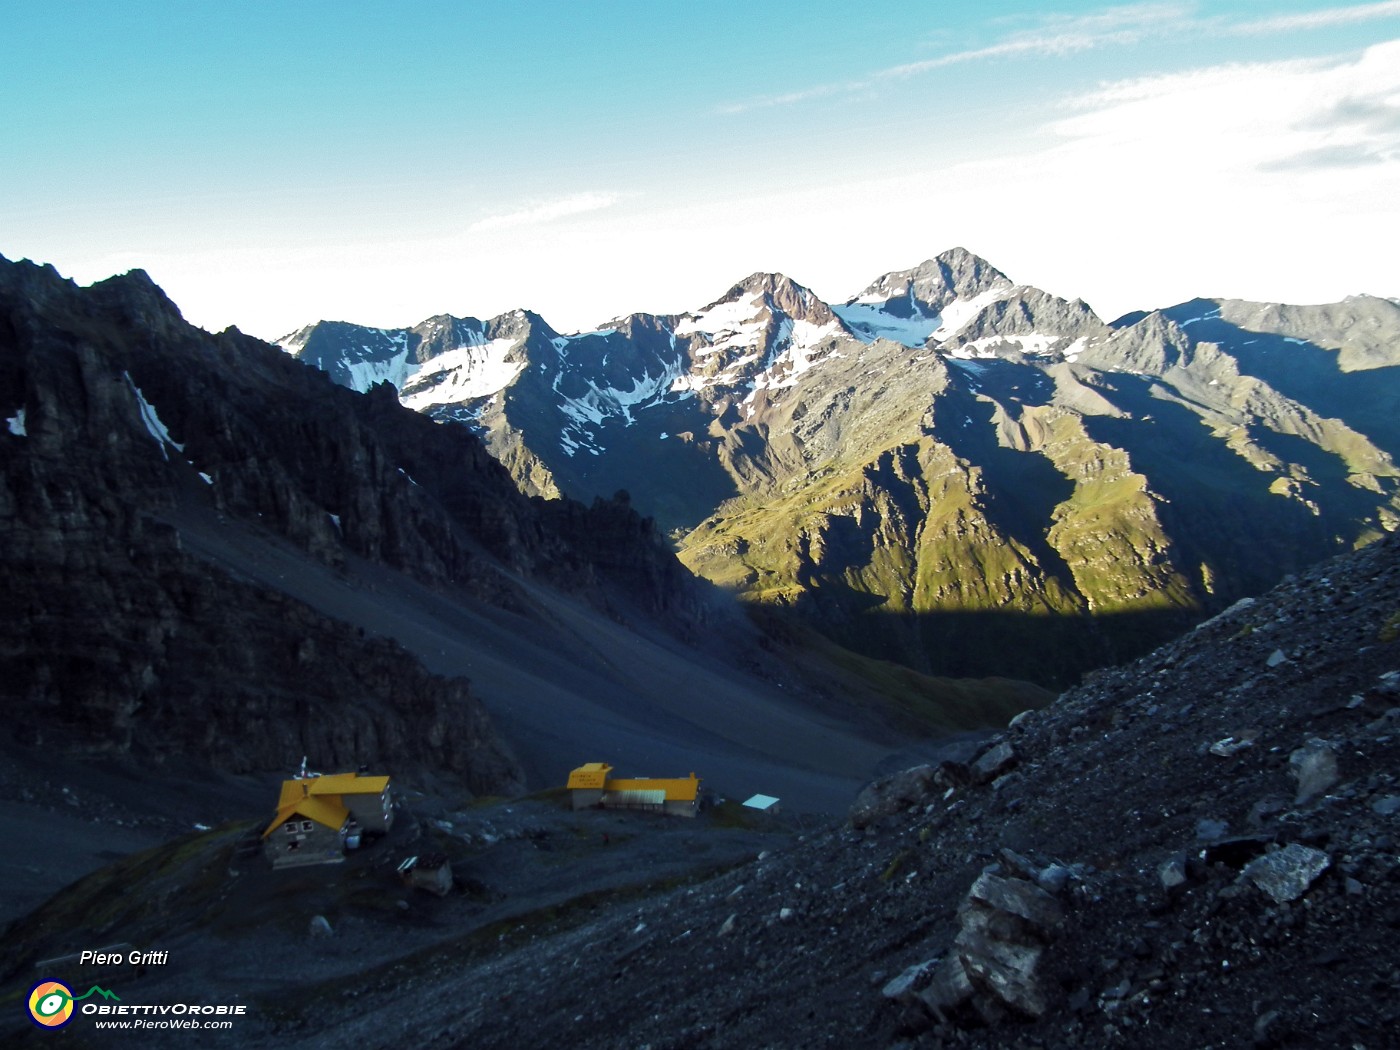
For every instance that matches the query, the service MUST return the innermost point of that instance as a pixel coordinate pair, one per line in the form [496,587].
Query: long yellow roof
[334,784]
[595,775]
[348,784]
[682,789]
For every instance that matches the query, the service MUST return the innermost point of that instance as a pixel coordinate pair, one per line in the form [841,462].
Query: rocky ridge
[130,433]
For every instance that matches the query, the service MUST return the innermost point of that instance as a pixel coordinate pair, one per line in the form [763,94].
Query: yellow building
[590,785]
[315,816]
[587,783]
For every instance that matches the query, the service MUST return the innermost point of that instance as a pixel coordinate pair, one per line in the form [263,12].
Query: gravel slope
[1129,804]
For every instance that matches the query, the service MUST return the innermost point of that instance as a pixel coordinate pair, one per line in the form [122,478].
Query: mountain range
[951,470]
[214,557]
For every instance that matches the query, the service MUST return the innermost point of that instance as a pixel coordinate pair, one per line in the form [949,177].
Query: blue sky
[271,164]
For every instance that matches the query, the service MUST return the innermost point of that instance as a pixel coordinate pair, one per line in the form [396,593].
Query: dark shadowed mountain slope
[1197,849]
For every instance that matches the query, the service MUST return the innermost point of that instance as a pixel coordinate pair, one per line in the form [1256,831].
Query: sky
[273,164]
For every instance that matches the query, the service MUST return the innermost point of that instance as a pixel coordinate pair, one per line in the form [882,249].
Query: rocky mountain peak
[935,283]
[519,323]
[443,333]
[781,294]
[139,300]
[965,273]
[1034,319]
[133,296]
[637,325]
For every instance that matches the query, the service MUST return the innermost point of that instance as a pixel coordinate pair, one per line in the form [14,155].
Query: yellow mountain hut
[317,815]
[591,785]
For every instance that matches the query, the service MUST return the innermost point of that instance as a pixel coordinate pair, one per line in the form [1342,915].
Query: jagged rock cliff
[128,431]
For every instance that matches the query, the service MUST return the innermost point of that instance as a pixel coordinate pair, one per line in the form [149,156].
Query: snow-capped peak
[930,301]
[874,319]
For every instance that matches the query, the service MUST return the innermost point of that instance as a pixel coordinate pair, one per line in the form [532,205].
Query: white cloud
[1055,36]
[1276,181]
[1335,16]
[549,211]
[790,97]
[1059,35]
[1250,117]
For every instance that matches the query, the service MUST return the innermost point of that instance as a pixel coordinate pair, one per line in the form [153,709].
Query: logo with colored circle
[50,1004]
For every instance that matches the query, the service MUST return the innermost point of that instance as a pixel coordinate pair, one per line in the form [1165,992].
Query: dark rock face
[123,418]
[128,646]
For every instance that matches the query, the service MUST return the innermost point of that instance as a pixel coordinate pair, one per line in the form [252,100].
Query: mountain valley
[935,500]
[216,560]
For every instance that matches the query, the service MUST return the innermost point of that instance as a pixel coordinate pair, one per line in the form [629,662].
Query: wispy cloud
[1349,155]
[1335,16]
[1061,35]
[1054,36]
[548,211]
[1360,128]
[788,98]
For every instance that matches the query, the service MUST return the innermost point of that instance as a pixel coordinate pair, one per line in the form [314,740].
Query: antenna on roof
[301,774]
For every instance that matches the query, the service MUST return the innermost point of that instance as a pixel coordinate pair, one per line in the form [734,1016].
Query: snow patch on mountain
[1208,316]
[1072,352]
[868,318]
[598,403]
[151,419]
[736,323]
[1037,345]
[462,374]
[368,372]
[16,424]
[802,344]
[959,312]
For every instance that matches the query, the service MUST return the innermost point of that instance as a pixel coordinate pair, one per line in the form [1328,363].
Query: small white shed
[764,804]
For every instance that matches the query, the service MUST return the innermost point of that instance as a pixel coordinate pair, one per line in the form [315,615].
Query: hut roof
[328,811]
[320,798]
[589,775]
[681,789]
[761,802]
